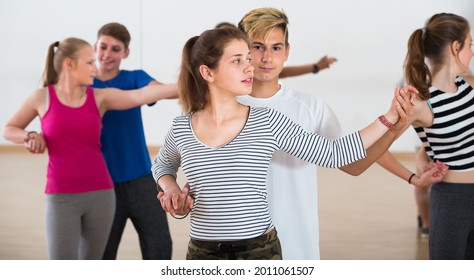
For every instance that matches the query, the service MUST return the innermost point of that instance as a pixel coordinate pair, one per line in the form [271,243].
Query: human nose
[249,67]
[267,56]
[107,52]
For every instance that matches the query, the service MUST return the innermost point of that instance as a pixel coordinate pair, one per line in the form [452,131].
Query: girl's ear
[455,48]
[206,73]
[68,63]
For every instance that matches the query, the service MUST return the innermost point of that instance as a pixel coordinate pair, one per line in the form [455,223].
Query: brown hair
[259,23]
[205,49]
[117,31]
[225,24]
[67,48]
[430,42]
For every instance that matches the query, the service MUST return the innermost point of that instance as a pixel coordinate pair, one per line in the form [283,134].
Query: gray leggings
[78,225]
[451,221]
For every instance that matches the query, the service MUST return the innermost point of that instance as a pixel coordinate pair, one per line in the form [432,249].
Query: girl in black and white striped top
[443,117]
[225,148]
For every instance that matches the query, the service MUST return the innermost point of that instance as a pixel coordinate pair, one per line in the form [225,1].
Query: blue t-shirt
[123,138]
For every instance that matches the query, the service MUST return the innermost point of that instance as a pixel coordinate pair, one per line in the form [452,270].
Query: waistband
[236,245]
[466,188]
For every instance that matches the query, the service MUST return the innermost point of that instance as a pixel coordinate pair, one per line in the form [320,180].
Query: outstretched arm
[402,101]
[291,71]
[174,95]
[116,99]
[375,151]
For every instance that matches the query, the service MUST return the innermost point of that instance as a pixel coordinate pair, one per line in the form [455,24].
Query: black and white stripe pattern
[228,182]
[451,137]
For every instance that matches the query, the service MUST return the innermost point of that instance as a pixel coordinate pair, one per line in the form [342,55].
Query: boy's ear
[126,53]
[95,47]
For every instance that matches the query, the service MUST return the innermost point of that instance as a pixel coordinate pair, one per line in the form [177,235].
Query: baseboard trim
[12,149]
[153,150]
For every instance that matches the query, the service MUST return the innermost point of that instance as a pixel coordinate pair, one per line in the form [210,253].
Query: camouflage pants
[264,247]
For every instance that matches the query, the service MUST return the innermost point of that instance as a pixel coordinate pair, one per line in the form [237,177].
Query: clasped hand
[35,143]
[433,172]
[401,109]
[176,202]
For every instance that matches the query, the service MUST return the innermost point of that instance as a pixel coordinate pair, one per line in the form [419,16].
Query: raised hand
[405,110]
[325,62]
[402,105]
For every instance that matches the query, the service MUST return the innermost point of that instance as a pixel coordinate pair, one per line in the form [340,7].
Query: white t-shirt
[291,182]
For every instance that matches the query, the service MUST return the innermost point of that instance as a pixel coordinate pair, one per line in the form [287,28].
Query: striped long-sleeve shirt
[228,182]
[450,139]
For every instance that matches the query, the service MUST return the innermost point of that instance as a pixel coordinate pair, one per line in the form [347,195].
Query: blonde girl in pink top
[80,201]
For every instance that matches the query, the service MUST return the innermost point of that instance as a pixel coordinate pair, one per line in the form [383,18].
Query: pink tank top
[72,136]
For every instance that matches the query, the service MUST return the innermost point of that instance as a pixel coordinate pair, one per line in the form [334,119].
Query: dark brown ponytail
[428,45]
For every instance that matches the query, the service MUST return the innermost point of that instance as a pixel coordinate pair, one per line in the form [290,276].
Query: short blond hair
[259,23]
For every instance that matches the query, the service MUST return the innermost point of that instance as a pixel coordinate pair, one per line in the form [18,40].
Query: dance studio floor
[369,217]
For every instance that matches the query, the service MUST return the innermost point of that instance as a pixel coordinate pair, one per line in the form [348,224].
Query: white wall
[27,27]
[368,37]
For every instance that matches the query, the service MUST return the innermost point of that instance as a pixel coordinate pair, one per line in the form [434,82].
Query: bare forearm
[291,71]
[167,183]
[173,95]
[15,134]
[155,92]
[116,99]
[380,146]
[373,132]
[391,164]
[374,152]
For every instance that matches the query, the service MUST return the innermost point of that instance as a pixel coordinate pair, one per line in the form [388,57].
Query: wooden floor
[369,217]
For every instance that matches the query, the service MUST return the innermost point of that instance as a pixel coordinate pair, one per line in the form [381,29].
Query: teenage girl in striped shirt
[225,148]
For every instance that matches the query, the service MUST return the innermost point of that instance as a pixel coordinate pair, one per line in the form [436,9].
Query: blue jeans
[137,200]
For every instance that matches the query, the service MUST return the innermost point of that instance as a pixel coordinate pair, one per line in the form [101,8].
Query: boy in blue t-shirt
[125,151]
